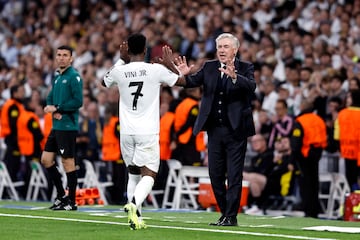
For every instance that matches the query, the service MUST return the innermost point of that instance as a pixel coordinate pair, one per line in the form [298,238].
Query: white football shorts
[141,150]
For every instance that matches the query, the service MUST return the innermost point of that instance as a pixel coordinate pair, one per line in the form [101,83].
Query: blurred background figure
[188,147]
[257,175]
[111,155]
[308,140]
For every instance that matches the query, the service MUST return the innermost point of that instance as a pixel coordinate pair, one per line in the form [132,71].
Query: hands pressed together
[52,109]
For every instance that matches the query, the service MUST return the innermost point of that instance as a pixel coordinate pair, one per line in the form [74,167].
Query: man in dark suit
[226,115]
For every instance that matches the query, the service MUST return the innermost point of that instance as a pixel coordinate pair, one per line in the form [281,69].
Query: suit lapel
[214,74]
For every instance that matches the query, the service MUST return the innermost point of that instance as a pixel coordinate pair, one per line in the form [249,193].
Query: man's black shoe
[228,221]
[66,206]
[58,201]
[218,221]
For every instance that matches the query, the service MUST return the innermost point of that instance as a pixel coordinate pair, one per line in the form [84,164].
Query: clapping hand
[229,70]
[182,66]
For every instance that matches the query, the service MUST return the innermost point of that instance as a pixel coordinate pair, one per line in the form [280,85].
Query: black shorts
[61,142]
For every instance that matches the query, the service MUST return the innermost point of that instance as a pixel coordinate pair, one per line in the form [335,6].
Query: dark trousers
[309,182]
[12,160]
[119,179]
[160,181]
[351,172]
[226,153]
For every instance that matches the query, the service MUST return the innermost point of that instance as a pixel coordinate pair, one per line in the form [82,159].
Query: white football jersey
[139,87]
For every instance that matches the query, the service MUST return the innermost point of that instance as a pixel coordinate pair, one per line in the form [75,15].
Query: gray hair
[228,35]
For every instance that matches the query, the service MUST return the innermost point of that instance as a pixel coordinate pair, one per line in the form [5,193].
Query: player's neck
[137,58]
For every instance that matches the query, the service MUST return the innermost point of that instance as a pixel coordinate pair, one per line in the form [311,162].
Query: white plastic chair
[91,180]
[333,197]
[174,167]
[7,183]
[187,184]
[38,183]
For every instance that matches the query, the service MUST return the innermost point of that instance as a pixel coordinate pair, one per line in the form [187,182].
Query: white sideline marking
[166,227]
[334,229]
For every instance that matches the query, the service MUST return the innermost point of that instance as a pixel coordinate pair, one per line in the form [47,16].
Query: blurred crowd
[300,49]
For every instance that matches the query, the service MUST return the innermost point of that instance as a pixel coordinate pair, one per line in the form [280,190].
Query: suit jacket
[238,95]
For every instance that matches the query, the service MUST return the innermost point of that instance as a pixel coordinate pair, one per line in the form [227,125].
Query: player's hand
[167,57]
[124,54]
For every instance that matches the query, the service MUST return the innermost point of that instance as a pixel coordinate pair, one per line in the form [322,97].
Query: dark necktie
[223,78]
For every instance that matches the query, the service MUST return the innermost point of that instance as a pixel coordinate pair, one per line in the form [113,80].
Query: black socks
[72,184]
[56,178]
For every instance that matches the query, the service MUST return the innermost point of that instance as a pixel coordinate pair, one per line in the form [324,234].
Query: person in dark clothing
[63,101]
[226,114]
[308,140]
[10,113]
[187,144]
[257,175]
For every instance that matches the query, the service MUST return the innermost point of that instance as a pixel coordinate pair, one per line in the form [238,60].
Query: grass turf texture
[32,220]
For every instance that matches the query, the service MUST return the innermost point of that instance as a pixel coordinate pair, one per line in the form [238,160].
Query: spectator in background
[29,140]
[188,144]
[346,131]
[10,114]
[336,90]
[305,75]
[282,123]
[292,84]
[260,168]
[281,179]
[87,99]
[89,138]
[270,96]
[354,84]
[284,94]
[111,155]
[267,71]
[334,105]
[265,124]
[167,144]
[307,143]
[189,46]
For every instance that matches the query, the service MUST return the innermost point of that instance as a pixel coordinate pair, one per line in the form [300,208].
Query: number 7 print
[136,94]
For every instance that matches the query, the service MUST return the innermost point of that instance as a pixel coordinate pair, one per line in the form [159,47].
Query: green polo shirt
[66,94]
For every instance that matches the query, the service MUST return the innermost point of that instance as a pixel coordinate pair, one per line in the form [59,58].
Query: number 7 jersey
[139,87]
